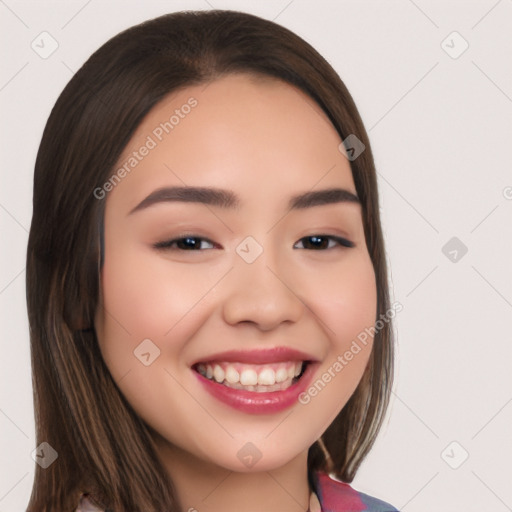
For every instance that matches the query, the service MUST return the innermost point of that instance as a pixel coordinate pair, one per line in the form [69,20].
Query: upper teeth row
[249,376]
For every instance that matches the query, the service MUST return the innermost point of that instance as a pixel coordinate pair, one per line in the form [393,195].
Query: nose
[261,295]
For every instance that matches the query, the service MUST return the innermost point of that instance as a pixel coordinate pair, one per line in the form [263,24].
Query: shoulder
[86,505]
[336,496]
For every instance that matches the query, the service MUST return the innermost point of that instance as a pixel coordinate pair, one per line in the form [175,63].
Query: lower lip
[253,402]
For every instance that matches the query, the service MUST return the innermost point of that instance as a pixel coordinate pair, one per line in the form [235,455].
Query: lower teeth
[260,388]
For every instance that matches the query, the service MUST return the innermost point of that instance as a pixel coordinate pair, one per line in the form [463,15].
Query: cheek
[346,305]
[346,300]
[147,298]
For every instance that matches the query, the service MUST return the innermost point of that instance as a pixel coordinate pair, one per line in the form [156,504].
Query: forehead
[244,132]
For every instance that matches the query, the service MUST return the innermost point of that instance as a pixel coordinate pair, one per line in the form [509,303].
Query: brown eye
[185,243]
[322,242]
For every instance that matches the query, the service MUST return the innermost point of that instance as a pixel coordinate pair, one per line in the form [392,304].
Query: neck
[202,486]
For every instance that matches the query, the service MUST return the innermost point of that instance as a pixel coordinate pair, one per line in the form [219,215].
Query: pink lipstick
[256,381]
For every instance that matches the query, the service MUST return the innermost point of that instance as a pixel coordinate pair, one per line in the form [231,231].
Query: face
[248,287]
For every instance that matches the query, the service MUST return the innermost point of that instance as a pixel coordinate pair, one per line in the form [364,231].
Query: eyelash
[168,244]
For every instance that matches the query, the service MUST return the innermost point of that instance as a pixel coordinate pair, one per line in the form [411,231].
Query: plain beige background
[434,87]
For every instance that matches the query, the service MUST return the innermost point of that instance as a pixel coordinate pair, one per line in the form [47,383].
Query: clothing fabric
[334,496]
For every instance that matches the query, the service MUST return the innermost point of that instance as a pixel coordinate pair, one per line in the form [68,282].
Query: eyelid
[166,244]
[341,242]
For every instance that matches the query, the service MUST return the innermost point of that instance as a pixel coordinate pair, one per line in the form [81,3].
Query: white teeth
[218,373]
[232,376]
[248,378]
[275,377]
[267,377]
[281,375]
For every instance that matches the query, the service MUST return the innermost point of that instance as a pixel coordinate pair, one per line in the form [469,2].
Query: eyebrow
[228,200]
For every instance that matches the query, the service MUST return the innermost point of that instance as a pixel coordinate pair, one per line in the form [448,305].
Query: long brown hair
[103,447]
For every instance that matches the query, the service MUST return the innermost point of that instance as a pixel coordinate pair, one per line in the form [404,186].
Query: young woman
[206,279]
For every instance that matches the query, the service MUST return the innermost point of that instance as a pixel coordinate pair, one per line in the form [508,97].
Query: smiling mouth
[259,378]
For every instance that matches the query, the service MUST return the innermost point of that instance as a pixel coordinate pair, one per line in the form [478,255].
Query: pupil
[317,241]
[189,242]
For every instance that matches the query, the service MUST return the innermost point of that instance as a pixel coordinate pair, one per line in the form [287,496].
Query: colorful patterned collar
[335,496]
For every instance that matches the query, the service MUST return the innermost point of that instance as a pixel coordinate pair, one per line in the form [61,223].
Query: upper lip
[258,356]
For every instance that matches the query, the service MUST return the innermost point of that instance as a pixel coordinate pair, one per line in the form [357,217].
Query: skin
[266,141]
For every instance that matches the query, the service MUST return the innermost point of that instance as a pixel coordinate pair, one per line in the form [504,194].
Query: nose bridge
[258,291]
